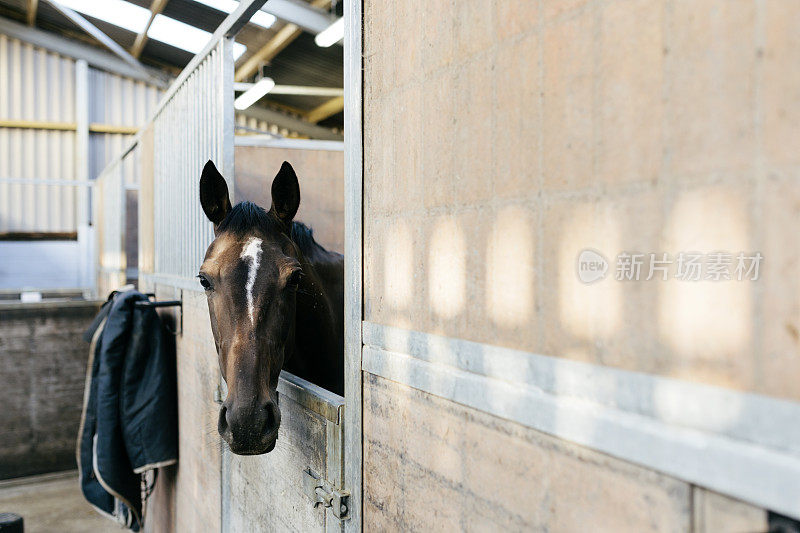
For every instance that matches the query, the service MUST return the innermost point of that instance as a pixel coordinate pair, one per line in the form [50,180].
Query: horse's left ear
[285,194]
[214,194]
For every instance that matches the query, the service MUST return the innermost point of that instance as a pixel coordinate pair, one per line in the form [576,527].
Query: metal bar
[138,45]
[76,50]
[82,129]
[269,141]
[39,125]
[165,303]
[67,183]
[225,104]
[244,18]
[95,32]
[57,291]
[300,90]
[94,127]
[354,250]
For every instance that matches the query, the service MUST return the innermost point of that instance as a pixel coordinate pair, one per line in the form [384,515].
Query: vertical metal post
[354,248]
[226,121]
[85,231]
[225,94]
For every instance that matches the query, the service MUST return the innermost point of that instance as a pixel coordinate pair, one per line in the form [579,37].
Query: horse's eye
[204,282]
[294,278]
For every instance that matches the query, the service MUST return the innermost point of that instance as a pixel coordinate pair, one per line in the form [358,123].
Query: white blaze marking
[251,251]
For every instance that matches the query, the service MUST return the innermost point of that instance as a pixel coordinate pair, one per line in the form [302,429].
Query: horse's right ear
[214,194]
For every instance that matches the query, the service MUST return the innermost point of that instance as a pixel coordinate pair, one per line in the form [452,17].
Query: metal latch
[321,492]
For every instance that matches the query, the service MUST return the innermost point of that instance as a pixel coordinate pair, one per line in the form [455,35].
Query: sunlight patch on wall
[709,321]
[510,267]
[447,269]
[587,311]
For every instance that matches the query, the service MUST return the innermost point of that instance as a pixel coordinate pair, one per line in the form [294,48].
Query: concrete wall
[503,138]
[503,141]
[42,368]
[433,465]
[321,176]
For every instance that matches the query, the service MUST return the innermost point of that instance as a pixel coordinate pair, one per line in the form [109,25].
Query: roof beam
[274,46]
[33,8]
[279,41]
[328,109]
[306,16]
[156,7]
[69,47]
[95,32]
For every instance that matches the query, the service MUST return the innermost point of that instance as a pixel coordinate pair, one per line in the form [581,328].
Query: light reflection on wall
[510,267]
[447,268]
[706,321]
[589,312]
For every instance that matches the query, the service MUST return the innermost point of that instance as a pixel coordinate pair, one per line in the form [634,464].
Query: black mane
[246,216]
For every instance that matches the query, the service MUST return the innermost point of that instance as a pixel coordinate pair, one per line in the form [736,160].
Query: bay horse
[276,301]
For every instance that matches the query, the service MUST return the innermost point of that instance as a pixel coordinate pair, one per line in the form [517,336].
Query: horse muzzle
[249,431]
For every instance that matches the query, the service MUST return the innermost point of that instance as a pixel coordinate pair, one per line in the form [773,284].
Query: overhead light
[117,12]
[260,18]
[330,35]
[254,93]
[134,18]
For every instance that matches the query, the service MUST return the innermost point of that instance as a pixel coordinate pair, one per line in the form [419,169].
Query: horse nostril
[272,417]
[222,423]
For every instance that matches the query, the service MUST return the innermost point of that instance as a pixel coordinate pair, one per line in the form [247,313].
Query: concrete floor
[52,502]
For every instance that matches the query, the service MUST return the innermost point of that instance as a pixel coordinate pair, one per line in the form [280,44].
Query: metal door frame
[354,249]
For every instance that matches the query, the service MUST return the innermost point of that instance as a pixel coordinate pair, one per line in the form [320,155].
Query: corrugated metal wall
[36,85]
[116,101]
[39,85]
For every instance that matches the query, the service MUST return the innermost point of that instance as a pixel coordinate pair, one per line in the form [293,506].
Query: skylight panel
[260,18]
[134,18]
[117,12]
[184,36]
